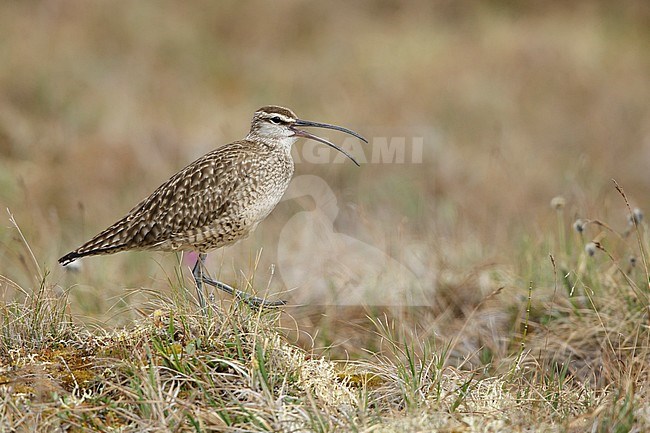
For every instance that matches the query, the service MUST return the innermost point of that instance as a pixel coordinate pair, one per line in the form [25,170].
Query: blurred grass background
[101,101]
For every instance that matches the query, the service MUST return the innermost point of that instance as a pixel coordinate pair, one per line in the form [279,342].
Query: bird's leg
[251,300]
[197,273]
[200,276]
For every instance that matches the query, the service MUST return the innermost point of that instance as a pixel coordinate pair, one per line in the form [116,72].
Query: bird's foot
[251,300]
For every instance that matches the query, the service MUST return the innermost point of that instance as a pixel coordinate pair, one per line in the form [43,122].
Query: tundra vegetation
[506,179]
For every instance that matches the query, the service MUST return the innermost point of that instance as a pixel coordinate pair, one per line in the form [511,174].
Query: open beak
[305,134]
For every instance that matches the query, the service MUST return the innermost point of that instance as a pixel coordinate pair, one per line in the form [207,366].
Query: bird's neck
[282,144]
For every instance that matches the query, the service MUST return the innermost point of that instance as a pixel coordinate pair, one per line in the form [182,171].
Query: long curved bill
[305,134]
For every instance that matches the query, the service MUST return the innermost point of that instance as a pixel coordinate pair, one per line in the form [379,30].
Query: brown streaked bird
[217,200]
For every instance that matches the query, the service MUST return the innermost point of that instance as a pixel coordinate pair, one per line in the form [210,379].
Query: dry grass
[575,361]
[525,331]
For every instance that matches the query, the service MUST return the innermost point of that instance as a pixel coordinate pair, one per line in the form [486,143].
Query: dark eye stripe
[276,118]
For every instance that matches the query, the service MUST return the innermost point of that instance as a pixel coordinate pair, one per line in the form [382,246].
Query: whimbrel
[217,200]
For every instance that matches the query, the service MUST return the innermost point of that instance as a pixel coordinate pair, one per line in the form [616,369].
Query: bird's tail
[109,241]
[69,258]
[79,253]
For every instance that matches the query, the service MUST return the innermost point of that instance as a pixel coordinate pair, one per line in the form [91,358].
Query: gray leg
[197,273]
[201,277]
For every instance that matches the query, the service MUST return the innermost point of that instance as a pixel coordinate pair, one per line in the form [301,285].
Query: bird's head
[280,125]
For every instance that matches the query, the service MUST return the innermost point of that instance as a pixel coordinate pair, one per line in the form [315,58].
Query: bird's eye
[276,120]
